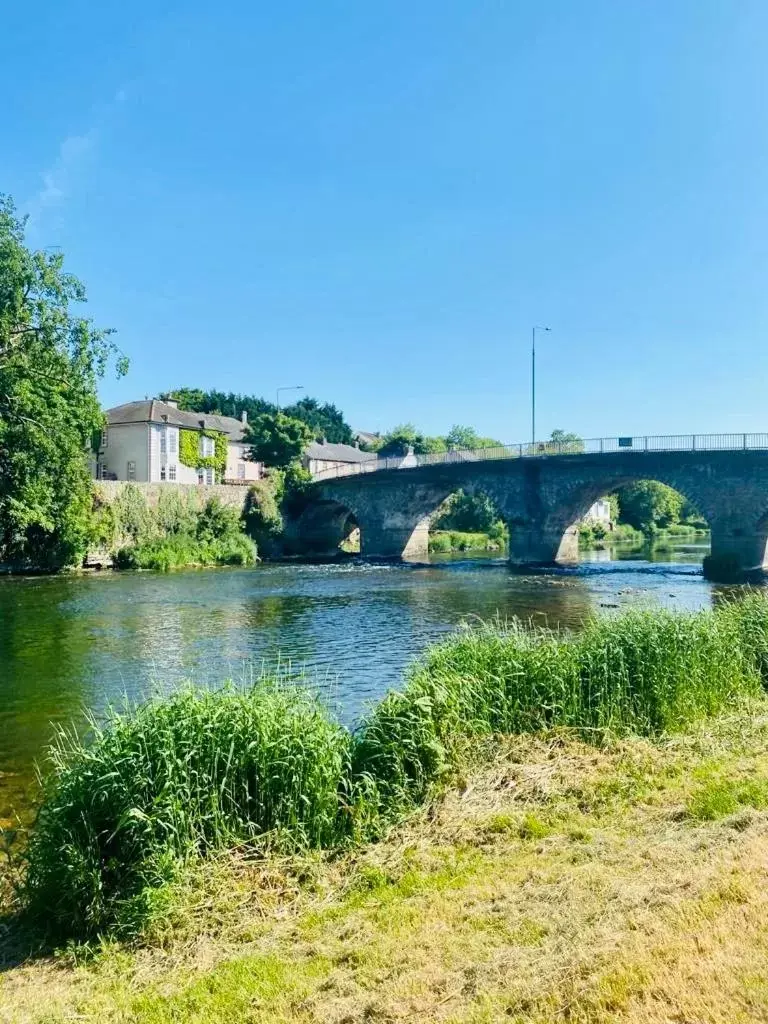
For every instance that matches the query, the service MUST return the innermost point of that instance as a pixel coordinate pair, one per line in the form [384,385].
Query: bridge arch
[543,497]
[324,525]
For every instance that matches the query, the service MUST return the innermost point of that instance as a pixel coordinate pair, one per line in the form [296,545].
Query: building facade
[320,455]
[147,441]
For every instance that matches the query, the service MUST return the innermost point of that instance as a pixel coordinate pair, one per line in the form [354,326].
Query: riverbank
[125,813]
[623,880]
[444,541]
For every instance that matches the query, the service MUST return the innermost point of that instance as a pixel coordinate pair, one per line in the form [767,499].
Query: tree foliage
[404,436]
[277,440]
[469,513]
[324,420]
[468,437]
[649,505]
[50,362]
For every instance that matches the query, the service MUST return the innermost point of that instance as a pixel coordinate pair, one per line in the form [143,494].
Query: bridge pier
[537,544]
[741,543]
[381,540]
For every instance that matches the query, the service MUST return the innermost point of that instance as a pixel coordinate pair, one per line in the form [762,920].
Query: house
[156,442]
[599,512]
[320,455]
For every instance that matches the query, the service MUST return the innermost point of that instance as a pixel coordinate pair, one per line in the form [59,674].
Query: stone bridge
[541,498]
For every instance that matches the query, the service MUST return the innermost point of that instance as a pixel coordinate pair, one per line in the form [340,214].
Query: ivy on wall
[189,451]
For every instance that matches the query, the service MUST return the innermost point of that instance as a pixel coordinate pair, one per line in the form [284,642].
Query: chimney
[172,402]
[244,417]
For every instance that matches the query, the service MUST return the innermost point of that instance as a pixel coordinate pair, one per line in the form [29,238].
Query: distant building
[142,442]
[320,455]
[600,512]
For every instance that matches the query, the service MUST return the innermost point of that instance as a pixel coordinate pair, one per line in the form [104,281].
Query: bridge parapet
[543,449]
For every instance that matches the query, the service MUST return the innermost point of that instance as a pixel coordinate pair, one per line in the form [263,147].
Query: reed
[200,771]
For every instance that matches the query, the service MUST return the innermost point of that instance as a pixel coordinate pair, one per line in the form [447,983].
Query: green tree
[565,441]
[277,440]
[50,362]
[323,420]
[405,436]
[648,505]
[468,437]
[470,513]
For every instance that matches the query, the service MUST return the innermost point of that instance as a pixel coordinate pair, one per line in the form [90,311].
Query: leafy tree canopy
[324,420]
[50,361]
[405,436]
[276,439]
[468,437]
[472,513]
[564,439]
[648,505]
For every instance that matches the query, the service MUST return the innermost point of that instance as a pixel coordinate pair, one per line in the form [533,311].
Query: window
[104,438]
[172,471]
[172,436]
[241,471]
[207,447]
[200,476]
[131,474]
[163,440]
[162,472]
[209,477]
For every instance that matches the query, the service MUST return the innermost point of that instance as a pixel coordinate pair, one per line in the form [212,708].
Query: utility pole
[533,384]
[292,387]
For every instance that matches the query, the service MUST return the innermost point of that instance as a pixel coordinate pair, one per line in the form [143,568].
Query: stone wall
[228,494]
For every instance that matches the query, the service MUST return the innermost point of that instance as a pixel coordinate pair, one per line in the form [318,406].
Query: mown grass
[198,772]
[559,880]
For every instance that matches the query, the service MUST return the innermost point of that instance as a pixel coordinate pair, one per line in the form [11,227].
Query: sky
[378,202]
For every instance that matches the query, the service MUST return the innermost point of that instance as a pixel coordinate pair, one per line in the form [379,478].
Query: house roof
[153,411]
[336,452]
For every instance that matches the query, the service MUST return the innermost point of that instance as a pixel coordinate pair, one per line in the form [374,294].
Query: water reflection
[66,644]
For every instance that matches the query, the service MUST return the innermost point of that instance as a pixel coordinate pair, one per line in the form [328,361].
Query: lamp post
[292,387]
[533,384]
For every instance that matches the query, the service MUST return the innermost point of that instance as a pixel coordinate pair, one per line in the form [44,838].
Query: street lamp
[533,383]
[293,387]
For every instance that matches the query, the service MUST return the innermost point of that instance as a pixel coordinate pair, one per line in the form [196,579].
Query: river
[74,643]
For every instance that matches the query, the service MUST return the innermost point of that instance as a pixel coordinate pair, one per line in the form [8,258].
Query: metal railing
[590,446]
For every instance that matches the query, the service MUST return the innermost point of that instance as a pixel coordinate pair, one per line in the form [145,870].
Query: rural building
[156,442]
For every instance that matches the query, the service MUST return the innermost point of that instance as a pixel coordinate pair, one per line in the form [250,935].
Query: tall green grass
[202,771]
[179,777]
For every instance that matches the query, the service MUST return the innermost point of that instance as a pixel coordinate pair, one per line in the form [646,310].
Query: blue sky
[377,201]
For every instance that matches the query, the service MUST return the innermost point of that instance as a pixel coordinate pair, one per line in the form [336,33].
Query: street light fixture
[533,383]
[292,387]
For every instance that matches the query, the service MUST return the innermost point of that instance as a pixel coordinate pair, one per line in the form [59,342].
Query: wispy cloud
[57,179]
[61,178]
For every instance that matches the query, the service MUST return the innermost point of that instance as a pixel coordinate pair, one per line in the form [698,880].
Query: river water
[68,644]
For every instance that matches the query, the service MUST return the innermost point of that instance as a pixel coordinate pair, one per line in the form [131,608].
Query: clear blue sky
[378,201]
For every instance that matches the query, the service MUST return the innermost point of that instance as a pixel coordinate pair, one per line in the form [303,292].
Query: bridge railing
[539,449]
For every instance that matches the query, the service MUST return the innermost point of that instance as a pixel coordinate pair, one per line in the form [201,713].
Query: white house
[599,512]
[145,441]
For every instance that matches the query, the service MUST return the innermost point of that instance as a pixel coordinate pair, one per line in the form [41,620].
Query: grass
[178,551]
[200,772]
[443,541]
[558,880]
